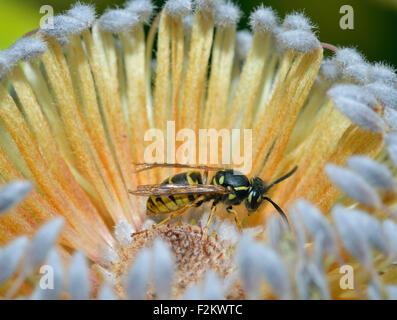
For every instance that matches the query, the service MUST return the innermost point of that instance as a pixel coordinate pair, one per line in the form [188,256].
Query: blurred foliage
[17,18]
[375,21]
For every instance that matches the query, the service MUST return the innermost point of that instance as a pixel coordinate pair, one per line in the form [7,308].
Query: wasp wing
[148,166]
[177,189]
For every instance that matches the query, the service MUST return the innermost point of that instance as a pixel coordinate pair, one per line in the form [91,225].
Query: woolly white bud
[353,185]
[249,267]
[360,114]
[148,223]
[390,231]
[178,8]
[143,9]
[64,25]
[193,293]
[207,6]
[118,20]
[138,276]
[52,293]
[374,291]
[77,19]
[384,93]
[274,231]
[274,271]
[330,70]
[11,256]
[85,13]
[296,21]
[227,14]
[352,236]
[243,44]
[106,292]
[348,56]
[79,282]
[390,116]
[391,292]
[12,193]
[391,139]
[374,233]
[263,19]
[212,287]
[353,92]
[228,232]
[299,40]
[24,49]
[358,72]
[297,225]
[317,224]
[109,255]
[41,244]
[163,268]
[382,73]
[4,63]
[123,231]
[307,276]
[373,172]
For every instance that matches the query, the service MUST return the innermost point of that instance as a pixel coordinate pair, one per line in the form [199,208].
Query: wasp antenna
[287,175]
[279,210]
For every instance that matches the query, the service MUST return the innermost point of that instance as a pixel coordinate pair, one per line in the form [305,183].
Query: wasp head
[255,194]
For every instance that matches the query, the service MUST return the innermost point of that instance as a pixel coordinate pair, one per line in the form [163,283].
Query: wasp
[182,191]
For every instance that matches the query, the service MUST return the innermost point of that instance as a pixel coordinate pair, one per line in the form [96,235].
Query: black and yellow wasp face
[255,194]
[240,189]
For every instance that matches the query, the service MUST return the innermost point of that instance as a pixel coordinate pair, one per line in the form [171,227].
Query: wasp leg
[205,177]
[200,202]
[238,223]
[173,215]
[212,214]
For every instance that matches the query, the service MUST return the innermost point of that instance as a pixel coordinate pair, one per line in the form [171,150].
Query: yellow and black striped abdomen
[168,204]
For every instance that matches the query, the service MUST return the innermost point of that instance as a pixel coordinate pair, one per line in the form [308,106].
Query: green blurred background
[374,34]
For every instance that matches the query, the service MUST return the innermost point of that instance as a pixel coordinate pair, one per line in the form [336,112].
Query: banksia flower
[79,103]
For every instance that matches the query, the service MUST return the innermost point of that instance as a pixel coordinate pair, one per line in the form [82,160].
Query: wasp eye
[253,200]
